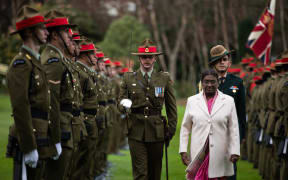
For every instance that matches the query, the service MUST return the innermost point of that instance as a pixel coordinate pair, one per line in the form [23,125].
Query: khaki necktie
[146,77]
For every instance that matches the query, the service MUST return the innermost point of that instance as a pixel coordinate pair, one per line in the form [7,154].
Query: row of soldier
[63,100]
[267,132]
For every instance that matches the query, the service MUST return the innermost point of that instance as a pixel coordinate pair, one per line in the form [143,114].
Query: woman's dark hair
[209,72]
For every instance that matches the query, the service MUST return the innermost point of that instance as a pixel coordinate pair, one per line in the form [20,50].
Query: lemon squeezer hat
[147,48]
[28,17]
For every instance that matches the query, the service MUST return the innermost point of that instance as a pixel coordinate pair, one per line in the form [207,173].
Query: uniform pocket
[159,127]
[40,128]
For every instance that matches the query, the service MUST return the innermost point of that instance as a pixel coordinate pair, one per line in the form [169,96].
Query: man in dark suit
[231,85]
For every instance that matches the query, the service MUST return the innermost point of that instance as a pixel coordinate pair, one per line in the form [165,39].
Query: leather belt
[102,103]
[111,101]
[41,142]
[69,108]
[90,111]
[36,113]
[146,111]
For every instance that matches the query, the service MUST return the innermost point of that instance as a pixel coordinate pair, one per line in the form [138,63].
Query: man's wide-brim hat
[57,19]
[147,48]
[218,52]
[28,17]
[87,46]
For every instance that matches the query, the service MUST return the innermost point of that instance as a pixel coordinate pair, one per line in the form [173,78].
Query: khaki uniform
[145,123]
[100,155]
[30,99]
[64,86]
[281,126]
[87,147]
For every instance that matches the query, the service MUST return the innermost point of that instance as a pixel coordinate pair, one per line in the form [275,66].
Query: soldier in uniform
[87,147]
[32,132]
[143,94]
[281,126]
[230,85]
[100,157]
[65,92]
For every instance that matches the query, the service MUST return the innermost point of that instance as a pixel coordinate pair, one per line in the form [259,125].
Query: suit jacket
[233,86]
[146,126]
[220,127]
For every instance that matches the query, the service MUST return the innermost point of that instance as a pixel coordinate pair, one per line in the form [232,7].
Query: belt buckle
[146,112]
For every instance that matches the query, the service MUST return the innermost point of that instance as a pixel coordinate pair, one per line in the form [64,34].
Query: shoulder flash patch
[51,60]
[18,61]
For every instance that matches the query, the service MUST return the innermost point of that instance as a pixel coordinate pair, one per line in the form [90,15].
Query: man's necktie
[221,80]
[146,77]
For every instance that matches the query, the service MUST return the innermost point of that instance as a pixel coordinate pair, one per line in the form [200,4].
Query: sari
[198,168]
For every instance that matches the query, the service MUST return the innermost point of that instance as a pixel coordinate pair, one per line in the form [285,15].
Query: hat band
[99,55]
[58,22]
[151,49]
[76,37]
[29,22]
[87,47]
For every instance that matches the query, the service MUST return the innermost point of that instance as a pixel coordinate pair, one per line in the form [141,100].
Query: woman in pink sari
[210,117]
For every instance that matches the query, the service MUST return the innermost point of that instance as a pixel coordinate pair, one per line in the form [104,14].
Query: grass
[122,169]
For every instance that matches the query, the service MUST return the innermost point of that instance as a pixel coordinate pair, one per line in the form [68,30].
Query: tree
[117,41]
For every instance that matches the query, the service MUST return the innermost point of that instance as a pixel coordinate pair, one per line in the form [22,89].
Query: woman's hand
[234,158]
[185,158]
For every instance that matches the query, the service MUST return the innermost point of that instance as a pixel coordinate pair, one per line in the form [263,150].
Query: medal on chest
[159,91]
[234,89]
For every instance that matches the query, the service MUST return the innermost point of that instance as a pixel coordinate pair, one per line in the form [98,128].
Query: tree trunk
[173,54]
[216,21]
[156,35]
[223,23]
[234,24]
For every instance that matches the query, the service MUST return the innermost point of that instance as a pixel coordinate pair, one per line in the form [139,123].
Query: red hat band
[29,22]
[284,61]
[58,22]
[87,47]
[99,54]
[76,37]
[150,49]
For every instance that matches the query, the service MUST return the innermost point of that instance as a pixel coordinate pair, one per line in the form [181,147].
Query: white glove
[59,151]
[31,158]
[127,103]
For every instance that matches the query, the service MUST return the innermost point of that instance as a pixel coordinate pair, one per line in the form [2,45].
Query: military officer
[229,84]
[65,93]
[100,157]
[30,99]
[143,93]
[85,61]
[281,126]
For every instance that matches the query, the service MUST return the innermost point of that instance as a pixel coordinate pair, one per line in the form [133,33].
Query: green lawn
[122,169]
[122,164]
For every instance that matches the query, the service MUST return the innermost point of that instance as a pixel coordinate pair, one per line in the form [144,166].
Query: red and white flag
[260,39]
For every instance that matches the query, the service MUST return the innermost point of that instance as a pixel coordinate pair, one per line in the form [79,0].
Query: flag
[260,39]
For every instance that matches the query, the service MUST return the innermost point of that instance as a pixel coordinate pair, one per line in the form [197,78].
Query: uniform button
[49,122]
[146,116]
[73,102]
[147,98]
[210,133]
[50,107]
[38,83]
[86,118]
[147,108]
[147,88]
[34,130]
[133,92]
[211,145]
[48,91]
